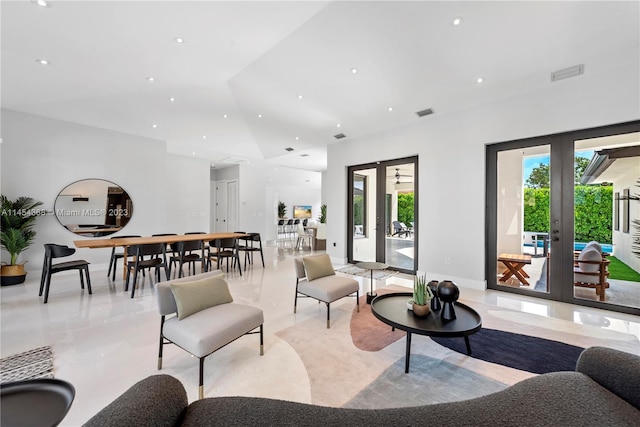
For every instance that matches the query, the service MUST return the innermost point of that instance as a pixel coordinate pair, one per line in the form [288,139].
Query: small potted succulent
[422,296]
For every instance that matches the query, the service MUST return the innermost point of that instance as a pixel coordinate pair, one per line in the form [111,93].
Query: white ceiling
[248,58]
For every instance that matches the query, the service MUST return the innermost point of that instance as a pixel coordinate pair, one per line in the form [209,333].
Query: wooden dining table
[125,242]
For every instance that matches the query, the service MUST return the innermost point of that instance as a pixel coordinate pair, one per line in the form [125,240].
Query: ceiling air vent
[565,73]
[426,112]
[304,155]
[340,136]
[289,149]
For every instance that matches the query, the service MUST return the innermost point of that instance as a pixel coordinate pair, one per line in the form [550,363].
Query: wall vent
[289,149]
[340,136]
[566,73]
[426,112]
[304,155]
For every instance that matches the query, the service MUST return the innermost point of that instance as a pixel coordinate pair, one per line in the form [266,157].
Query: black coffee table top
[40,402]
[392,310]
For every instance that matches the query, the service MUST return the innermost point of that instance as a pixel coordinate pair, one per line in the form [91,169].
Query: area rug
[523,352]
[367,332]
[377,274]
[429,381]
[32,364]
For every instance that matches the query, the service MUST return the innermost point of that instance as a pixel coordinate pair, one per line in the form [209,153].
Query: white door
[221,207]
[232,206]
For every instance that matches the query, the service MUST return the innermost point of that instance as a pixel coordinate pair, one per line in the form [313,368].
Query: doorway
[548,199]
[382,213]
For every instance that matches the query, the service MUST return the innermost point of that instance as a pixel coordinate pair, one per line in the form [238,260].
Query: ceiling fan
[398,176]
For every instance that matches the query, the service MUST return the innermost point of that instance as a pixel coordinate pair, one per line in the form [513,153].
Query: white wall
[451,150]
[262,185]
[187,194]
[41,156]
[623,242]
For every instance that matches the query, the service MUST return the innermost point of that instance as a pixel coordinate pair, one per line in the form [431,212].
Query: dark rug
[531,354]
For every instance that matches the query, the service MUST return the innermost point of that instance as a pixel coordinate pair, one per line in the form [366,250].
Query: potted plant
[323,214]
[282,210]
[18,219]
[422,296]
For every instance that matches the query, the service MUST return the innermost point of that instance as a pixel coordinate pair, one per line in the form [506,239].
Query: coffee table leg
[466,341]
[408,354]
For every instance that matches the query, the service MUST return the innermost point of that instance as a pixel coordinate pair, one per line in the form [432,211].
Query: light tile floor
[105,342]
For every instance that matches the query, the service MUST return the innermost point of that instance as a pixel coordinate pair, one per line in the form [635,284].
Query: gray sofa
[603,391]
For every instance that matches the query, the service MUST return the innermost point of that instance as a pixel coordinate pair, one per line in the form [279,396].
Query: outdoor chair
[52,251]
[399,229]
[591,270]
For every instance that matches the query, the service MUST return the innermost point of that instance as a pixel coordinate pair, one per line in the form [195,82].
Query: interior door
[232,206]
[221,207]
[382,213]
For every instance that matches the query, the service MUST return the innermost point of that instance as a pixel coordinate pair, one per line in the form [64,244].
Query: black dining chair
[157,259]
[52,251]
[115,256]
[253,243]
[221,249]
[188,252]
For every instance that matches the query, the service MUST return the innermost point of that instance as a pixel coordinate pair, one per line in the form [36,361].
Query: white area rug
[32,364]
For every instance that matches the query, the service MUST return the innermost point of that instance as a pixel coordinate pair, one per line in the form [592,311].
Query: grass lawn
[621,271]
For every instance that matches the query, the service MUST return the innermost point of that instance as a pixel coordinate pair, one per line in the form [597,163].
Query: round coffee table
[371,266]
[39,402]
[392,310]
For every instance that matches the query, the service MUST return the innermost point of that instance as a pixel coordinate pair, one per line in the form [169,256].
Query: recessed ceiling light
[226,116]
[354,71]
[300,96]
[204,136]
[297,138]
[193,153]
[178,40]
[480,80]
[172,99]
[42,3]
[338,125]
[457,21]
[42,61]
[259,116]
[154,125]
[150,79]
[390,109]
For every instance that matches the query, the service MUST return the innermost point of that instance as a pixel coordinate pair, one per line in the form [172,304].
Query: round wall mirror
[93,207]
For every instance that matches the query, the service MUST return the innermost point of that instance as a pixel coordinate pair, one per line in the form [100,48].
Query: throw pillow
[589,254]
[192,297]
[317,266]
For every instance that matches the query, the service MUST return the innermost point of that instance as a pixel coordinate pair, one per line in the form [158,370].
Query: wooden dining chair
[157,259]
[222,249]
[115,256]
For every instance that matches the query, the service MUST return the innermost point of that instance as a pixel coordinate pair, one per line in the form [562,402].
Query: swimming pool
[578,246]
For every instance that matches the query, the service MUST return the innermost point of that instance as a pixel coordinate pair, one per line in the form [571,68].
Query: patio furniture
[515,264]
[591,270]
[400,229]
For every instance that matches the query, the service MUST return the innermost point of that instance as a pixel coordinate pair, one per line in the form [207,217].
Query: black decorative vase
[448,293]
[435,301]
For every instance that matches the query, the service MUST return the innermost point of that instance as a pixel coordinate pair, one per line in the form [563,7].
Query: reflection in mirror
[93,207]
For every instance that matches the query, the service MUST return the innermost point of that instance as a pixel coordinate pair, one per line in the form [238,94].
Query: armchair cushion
[589,254]
[194,296]
[317,266]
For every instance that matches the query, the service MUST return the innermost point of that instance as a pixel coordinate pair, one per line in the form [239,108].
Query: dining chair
[52,251]
[253,243]
[157,259]
[187,253]
[115,256]
[224,249]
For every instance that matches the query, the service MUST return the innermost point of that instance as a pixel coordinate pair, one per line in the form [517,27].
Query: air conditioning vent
[426,112]
[566,73]
[289,149]
[304,155]
[340,136]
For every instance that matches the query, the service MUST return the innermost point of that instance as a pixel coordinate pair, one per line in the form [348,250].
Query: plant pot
[12,275]
[421,310]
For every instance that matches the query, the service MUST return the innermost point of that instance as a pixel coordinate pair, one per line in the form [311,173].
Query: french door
[382,213]
[547,198]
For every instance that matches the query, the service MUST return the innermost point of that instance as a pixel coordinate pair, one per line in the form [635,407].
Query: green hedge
[593,212]
[405,208]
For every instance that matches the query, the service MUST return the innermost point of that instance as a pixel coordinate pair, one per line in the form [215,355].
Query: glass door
[563,217]
[382,213]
